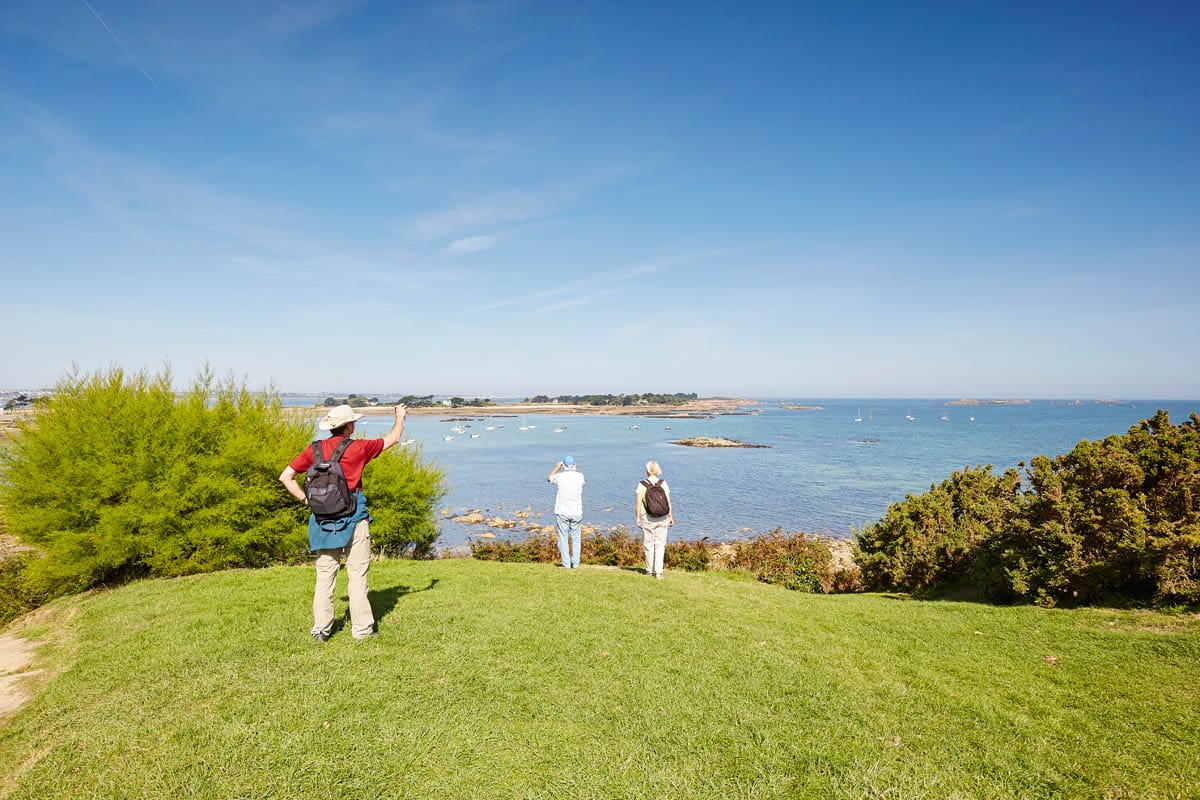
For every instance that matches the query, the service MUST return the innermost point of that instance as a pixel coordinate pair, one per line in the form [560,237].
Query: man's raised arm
[393,436]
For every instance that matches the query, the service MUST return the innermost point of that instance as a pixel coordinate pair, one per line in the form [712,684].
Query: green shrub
[117,478]
[614,548]
[694,556]
[537,548]
[929,541]
[402,491]
[16,595]
[794,561]
[1114,520]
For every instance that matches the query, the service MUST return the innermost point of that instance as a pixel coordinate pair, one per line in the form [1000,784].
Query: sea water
[820,472]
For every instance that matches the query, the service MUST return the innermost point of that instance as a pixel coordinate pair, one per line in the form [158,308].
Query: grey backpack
[325,487]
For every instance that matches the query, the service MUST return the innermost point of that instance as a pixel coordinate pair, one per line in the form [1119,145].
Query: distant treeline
[409,400]
[649,398]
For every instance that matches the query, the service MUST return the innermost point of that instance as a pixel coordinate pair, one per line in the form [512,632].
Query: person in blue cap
[568,507]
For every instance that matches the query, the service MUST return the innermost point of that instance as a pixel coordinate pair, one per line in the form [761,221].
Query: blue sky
[503,198]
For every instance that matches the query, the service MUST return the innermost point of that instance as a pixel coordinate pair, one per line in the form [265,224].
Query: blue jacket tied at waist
[336,533]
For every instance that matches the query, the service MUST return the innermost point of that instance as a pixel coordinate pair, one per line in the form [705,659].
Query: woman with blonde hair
[654,514]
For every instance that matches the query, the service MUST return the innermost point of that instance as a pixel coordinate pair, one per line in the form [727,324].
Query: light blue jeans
[568,528]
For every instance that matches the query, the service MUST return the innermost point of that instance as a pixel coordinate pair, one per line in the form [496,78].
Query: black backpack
[325,487]
[657,504]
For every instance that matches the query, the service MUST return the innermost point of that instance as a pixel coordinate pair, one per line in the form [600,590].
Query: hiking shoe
[320,637]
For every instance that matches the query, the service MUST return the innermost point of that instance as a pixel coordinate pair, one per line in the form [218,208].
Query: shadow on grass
[384,600]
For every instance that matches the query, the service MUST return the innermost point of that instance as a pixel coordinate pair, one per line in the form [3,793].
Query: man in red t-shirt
[351,534]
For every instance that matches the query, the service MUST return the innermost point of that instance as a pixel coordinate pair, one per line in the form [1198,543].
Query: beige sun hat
[337,417]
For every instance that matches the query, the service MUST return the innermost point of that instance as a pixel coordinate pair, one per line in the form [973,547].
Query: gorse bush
[930,541]
[118,478]
[1114,520]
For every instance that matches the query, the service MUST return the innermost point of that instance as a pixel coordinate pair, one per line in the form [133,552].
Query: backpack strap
[336,455]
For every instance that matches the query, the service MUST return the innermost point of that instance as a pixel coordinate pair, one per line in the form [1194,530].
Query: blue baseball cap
[568,461]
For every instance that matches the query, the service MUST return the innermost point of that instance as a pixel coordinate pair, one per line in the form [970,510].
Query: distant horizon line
[765,397]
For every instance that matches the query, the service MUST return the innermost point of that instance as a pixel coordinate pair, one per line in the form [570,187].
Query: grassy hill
[524,681]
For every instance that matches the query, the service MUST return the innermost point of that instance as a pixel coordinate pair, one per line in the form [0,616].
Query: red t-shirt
[354,459]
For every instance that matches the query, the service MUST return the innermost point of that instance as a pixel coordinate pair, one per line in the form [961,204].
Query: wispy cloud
[471,244]
[563,305]
[608,278]
[186,219]
[516,205]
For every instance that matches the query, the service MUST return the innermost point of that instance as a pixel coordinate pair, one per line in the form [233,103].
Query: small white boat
[667,428]
[490,428]
[474,435]
[458,429]
[945,417]
[559,429]
[909,416]
[633,427]
[523,428]
[531,427]
[407,442]
[447,438]
[972,418]
[858,417]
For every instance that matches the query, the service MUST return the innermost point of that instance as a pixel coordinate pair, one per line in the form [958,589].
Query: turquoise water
[823,473]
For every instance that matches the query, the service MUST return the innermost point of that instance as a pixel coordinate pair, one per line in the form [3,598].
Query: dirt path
[16,655]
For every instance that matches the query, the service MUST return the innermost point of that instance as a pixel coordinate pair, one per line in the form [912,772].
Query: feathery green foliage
[118,478]
[403,490]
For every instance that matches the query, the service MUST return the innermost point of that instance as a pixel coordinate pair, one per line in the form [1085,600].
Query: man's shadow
[384,600]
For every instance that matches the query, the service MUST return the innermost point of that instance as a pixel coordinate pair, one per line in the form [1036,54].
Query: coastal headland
[704,407]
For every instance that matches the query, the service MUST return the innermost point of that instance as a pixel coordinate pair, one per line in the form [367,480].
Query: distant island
[967,401]
[805,408]
[700,408]
[717,441]
[1101,402]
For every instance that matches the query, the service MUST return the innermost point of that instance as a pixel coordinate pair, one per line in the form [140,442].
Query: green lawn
[527,681]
